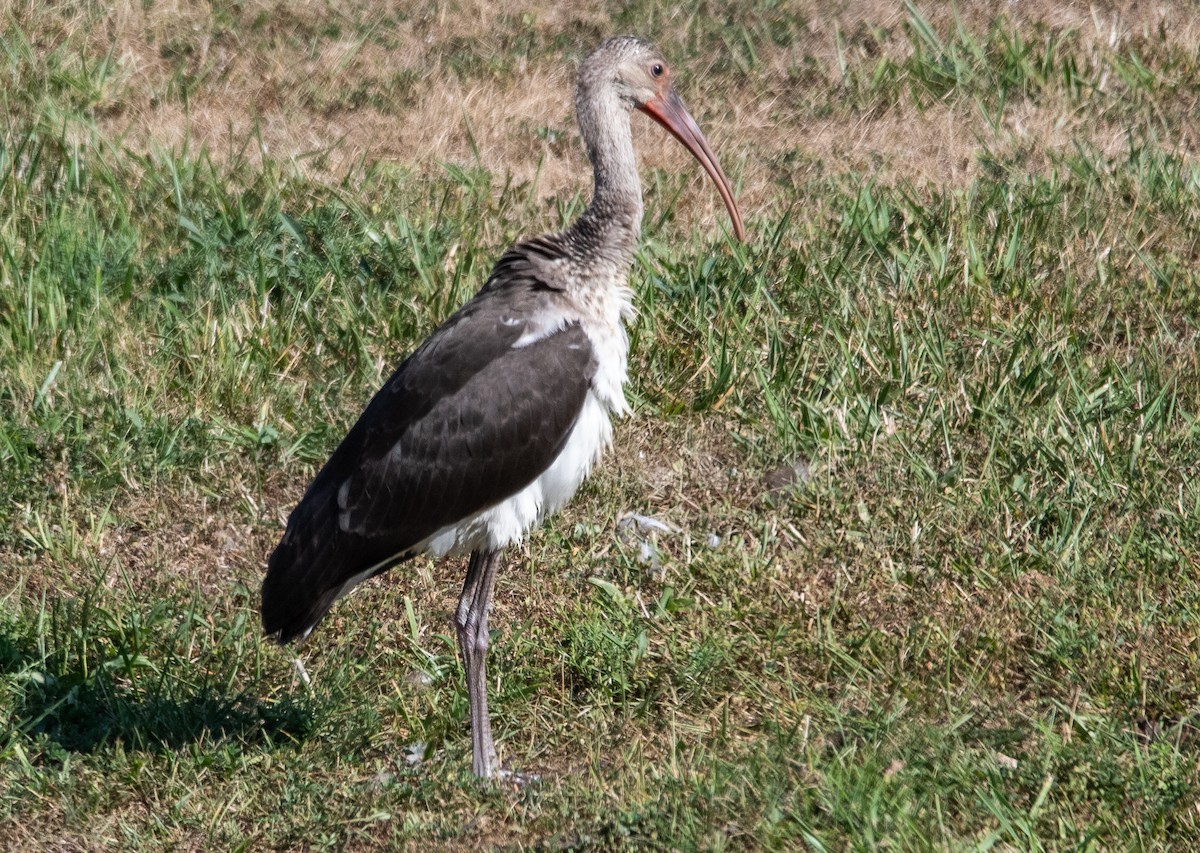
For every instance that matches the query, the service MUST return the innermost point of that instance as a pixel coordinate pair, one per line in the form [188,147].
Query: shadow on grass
[87,711]
[88,717]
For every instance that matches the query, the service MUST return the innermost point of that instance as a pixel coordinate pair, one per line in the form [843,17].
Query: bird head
[638,74]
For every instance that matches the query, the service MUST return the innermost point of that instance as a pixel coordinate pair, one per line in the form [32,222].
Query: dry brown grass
[335,88]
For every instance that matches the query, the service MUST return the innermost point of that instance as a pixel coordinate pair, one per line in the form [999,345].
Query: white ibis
[494,421]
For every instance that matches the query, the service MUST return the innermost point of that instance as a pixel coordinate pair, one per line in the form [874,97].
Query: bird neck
[610,227]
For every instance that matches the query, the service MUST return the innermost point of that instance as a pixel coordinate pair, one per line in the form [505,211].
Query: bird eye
[656,69]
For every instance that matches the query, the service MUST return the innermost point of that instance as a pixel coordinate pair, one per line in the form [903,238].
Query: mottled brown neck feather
[610,227]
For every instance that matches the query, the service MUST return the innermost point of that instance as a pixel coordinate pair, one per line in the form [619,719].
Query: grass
[967,318]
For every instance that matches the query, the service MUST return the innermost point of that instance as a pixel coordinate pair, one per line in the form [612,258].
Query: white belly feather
[509,520]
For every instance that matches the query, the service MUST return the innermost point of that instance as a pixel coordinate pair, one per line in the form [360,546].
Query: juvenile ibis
[494,421]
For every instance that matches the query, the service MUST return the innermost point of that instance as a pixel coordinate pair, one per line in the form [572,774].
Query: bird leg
[471,624]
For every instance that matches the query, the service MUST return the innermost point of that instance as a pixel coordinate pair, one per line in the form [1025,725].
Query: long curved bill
[668,110]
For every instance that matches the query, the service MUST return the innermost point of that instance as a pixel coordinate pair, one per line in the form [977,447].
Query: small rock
[795,471]
[414,753]
[227,540]
[644,530]
[418,678]
[381,780]
[632,524]
[1006,761]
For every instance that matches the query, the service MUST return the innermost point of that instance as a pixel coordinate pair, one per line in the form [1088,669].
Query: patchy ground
[334,90]
[925,449]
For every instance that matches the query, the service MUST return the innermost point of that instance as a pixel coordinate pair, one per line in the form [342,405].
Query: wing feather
[465,422]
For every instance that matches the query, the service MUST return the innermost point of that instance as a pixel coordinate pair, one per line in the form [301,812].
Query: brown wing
[465,422]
